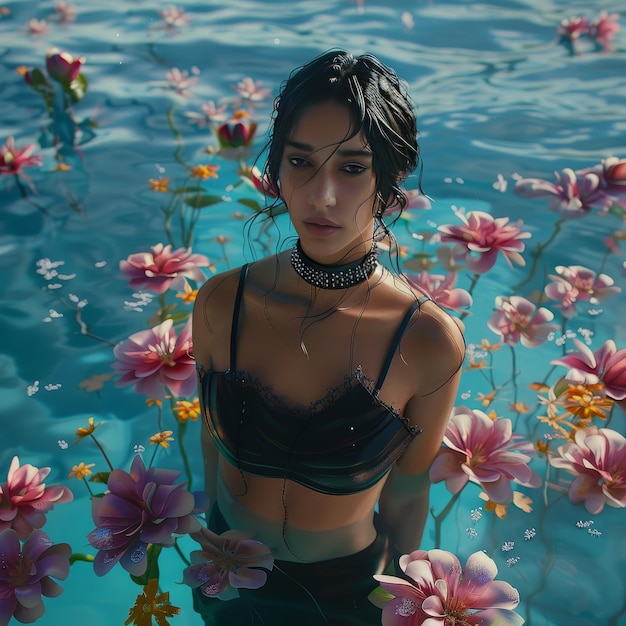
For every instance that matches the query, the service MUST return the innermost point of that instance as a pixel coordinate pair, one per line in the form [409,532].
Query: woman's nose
[322,192]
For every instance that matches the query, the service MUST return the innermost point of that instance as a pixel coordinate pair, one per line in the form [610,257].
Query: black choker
[333,276]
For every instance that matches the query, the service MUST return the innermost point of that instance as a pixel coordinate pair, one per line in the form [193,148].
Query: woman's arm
[404,500]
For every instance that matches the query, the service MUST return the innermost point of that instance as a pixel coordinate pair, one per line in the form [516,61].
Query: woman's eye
[354,168]
[297,162]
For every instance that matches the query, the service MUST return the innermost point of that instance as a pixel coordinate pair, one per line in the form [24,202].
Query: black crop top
[345,447]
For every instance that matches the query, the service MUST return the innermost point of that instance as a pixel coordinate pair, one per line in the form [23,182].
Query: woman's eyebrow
[344,152]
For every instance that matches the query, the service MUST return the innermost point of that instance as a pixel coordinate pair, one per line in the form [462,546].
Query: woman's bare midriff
[296,523]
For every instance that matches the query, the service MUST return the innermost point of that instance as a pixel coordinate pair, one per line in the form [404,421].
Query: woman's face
[329,185]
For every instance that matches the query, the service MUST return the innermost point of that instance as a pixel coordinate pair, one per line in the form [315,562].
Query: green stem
[176,133]
[537,255]
[104,454]
[441,516]
[181,553]
[182,427]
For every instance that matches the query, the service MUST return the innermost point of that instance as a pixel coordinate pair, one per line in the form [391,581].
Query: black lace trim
[332,395]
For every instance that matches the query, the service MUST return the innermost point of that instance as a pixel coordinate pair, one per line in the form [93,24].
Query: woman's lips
[321,228]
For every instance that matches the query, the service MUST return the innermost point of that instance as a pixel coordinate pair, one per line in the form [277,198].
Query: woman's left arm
[403,504]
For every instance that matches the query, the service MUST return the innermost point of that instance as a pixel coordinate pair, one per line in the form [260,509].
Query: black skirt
[332,592]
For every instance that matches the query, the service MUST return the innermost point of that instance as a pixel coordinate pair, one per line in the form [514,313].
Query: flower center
[20,570]
[456,612]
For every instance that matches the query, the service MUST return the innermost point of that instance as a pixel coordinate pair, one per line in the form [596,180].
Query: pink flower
[145,506]
[210,113]
[607,364]
[483,451]
[597,458]
[62,66]
[612,174]
[13,160]
[65,11]
[25,499]
[181,82]
[174,16]
[572,195]
[481,237]
[26,574]
[604,27]
[157,360]
[162,268]
[443,593]
[38,27]
[517,319]
[441,289]
[578,284]
[250,90]
[226,563]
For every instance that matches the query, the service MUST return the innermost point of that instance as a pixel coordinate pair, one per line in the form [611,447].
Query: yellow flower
[154,402]
[189,295]
[81,432]
[542,446]
[204,171]
[486,400]
[187,410]
[62,167]
[162,438]
[519,407]
[476,365]
[81,470]
[160,184]
[151,604]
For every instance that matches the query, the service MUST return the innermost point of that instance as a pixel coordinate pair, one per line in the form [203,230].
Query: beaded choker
[333,276]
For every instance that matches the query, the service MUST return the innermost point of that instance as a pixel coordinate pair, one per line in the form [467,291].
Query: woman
[326,380]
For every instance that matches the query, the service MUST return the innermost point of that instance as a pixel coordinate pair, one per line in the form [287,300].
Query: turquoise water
[497,95]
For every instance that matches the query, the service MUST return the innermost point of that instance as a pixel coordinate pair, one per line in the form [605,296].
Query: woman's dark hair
[379,105]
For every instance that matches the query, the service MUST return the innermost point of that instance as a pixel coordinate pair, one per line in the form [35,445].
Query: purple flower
[226,563]
[25,574]
[25,499]
[145,506]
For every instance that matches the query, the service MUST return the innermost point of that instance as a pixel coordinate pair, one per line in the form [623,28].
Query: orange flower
[95,382]
[151,604]
[486,400]
[154,402]
[163,438]
[584,402]
[204,171]
[160,184]
[81,432]
[81,470]
[189,295]
[187,410]
[519,407]
[476,365]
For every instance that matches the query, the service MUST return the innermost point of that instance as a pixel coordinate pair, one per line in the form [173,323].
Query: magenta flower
[145,506]
[481,237]
[573,194]
[443,593]
[162,268]
[13,160]
[483,451]
[574,27]
[597,458]
[25,499]
[26,574]
[517,319]
[63,67]
[226,563]
[156,360]
[442,290]
[578,284]
[607,365]
[238,133]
